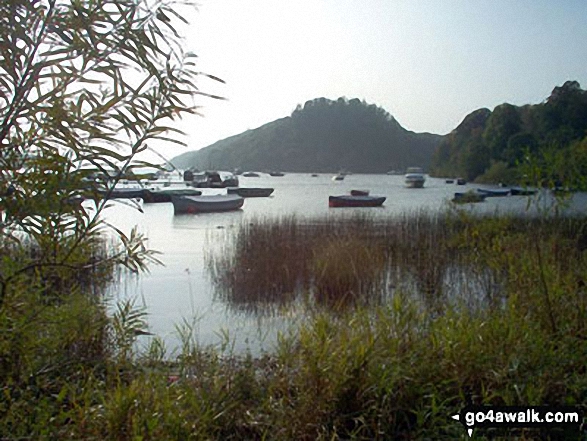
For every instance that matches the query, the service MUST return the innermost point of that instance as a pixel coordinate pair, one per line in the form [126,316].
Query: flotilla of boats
[189,199]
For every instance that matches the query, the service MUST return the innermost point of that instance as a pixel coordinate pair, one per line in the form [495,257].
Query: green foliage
[393,371]
[512,135]
[83,84]
[499,172]
[321,136]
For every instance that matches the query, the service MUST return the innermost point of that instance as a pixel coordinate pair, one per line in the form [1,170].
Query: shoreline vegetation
[406,321]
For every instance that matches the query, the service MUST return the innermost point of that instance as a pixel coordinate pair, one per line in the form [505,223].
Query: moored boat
[415,177]
[359,192]
[522,191]
[250,192]
[214,179]
[206,204]
[494,192]
[276,173]
[123,193]
[355,201]
[251,175]
[157,195]
[468,197]
[461,181]
[338,177]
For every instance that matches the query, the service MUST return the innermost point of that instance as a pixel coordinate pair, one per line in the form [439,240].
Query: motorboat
[206,204]
[415,177]
[355,201]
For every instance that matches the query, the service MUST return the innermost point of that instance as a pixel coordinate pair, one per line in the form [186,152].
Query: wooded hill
[321,136]
[490,146]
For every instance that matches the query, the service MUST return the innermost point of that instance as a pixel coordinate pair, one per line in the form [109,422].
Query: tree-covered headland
[491,145]
[321,136]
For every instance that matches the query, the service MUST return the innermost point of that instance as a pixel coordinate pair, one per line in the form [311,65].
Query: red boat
[355,201]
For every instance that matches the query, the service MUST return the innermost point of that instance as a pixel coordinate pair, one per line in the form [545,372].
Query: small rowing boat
[206,204]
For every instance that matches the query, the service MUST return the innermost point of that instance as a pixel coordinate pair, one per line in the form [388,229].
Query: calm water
[181,290]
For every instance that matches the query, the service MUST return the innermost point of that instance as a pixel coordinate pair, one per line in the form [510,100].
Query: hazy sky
[428,63]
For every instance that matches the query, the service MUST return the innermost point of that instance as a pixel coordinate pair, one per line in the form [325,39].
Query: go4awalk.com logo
[520,417]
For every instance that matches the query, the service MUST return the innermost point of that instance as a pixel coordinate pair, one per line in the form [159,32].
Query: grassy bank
[409,319]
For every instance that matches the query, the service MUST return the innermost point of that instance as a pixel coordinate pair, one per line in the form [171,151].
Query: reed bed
[437,258]
[383,366]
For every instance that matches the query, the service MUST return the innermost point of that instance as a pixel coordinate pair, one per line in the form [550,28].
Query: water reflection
[233,272]
[438,259]
[335,263]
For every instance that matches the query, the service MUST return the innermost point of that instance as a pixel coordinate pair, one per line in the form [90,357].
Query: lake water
[181,290]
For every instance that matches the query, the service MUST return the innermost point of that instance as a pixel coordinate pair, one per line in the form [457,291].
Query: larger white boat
[415,177]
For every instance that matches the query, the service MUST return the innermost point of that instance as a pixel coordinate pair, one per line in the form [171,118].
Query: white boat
[206,204]
[415,177]
[338,177]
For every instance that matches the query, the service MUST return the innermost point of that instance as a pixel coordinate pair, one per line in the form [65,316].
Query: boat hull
[206,204]
[468,197]
[494,192]
[356,201]
[124,193]
[248,192]
[164,195]
[413,183]
[521,191]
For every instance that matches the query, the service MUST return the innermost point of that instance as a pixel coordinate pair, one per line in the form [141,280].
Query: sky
[428,63]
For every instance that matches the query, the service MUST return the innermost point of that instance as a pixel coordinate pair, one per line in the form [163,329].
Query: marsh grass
[437,258]
[389,367]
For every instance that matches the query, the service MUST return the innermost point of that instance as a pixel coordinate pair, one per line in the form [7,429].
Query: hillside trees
[510,135]
[322,135]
